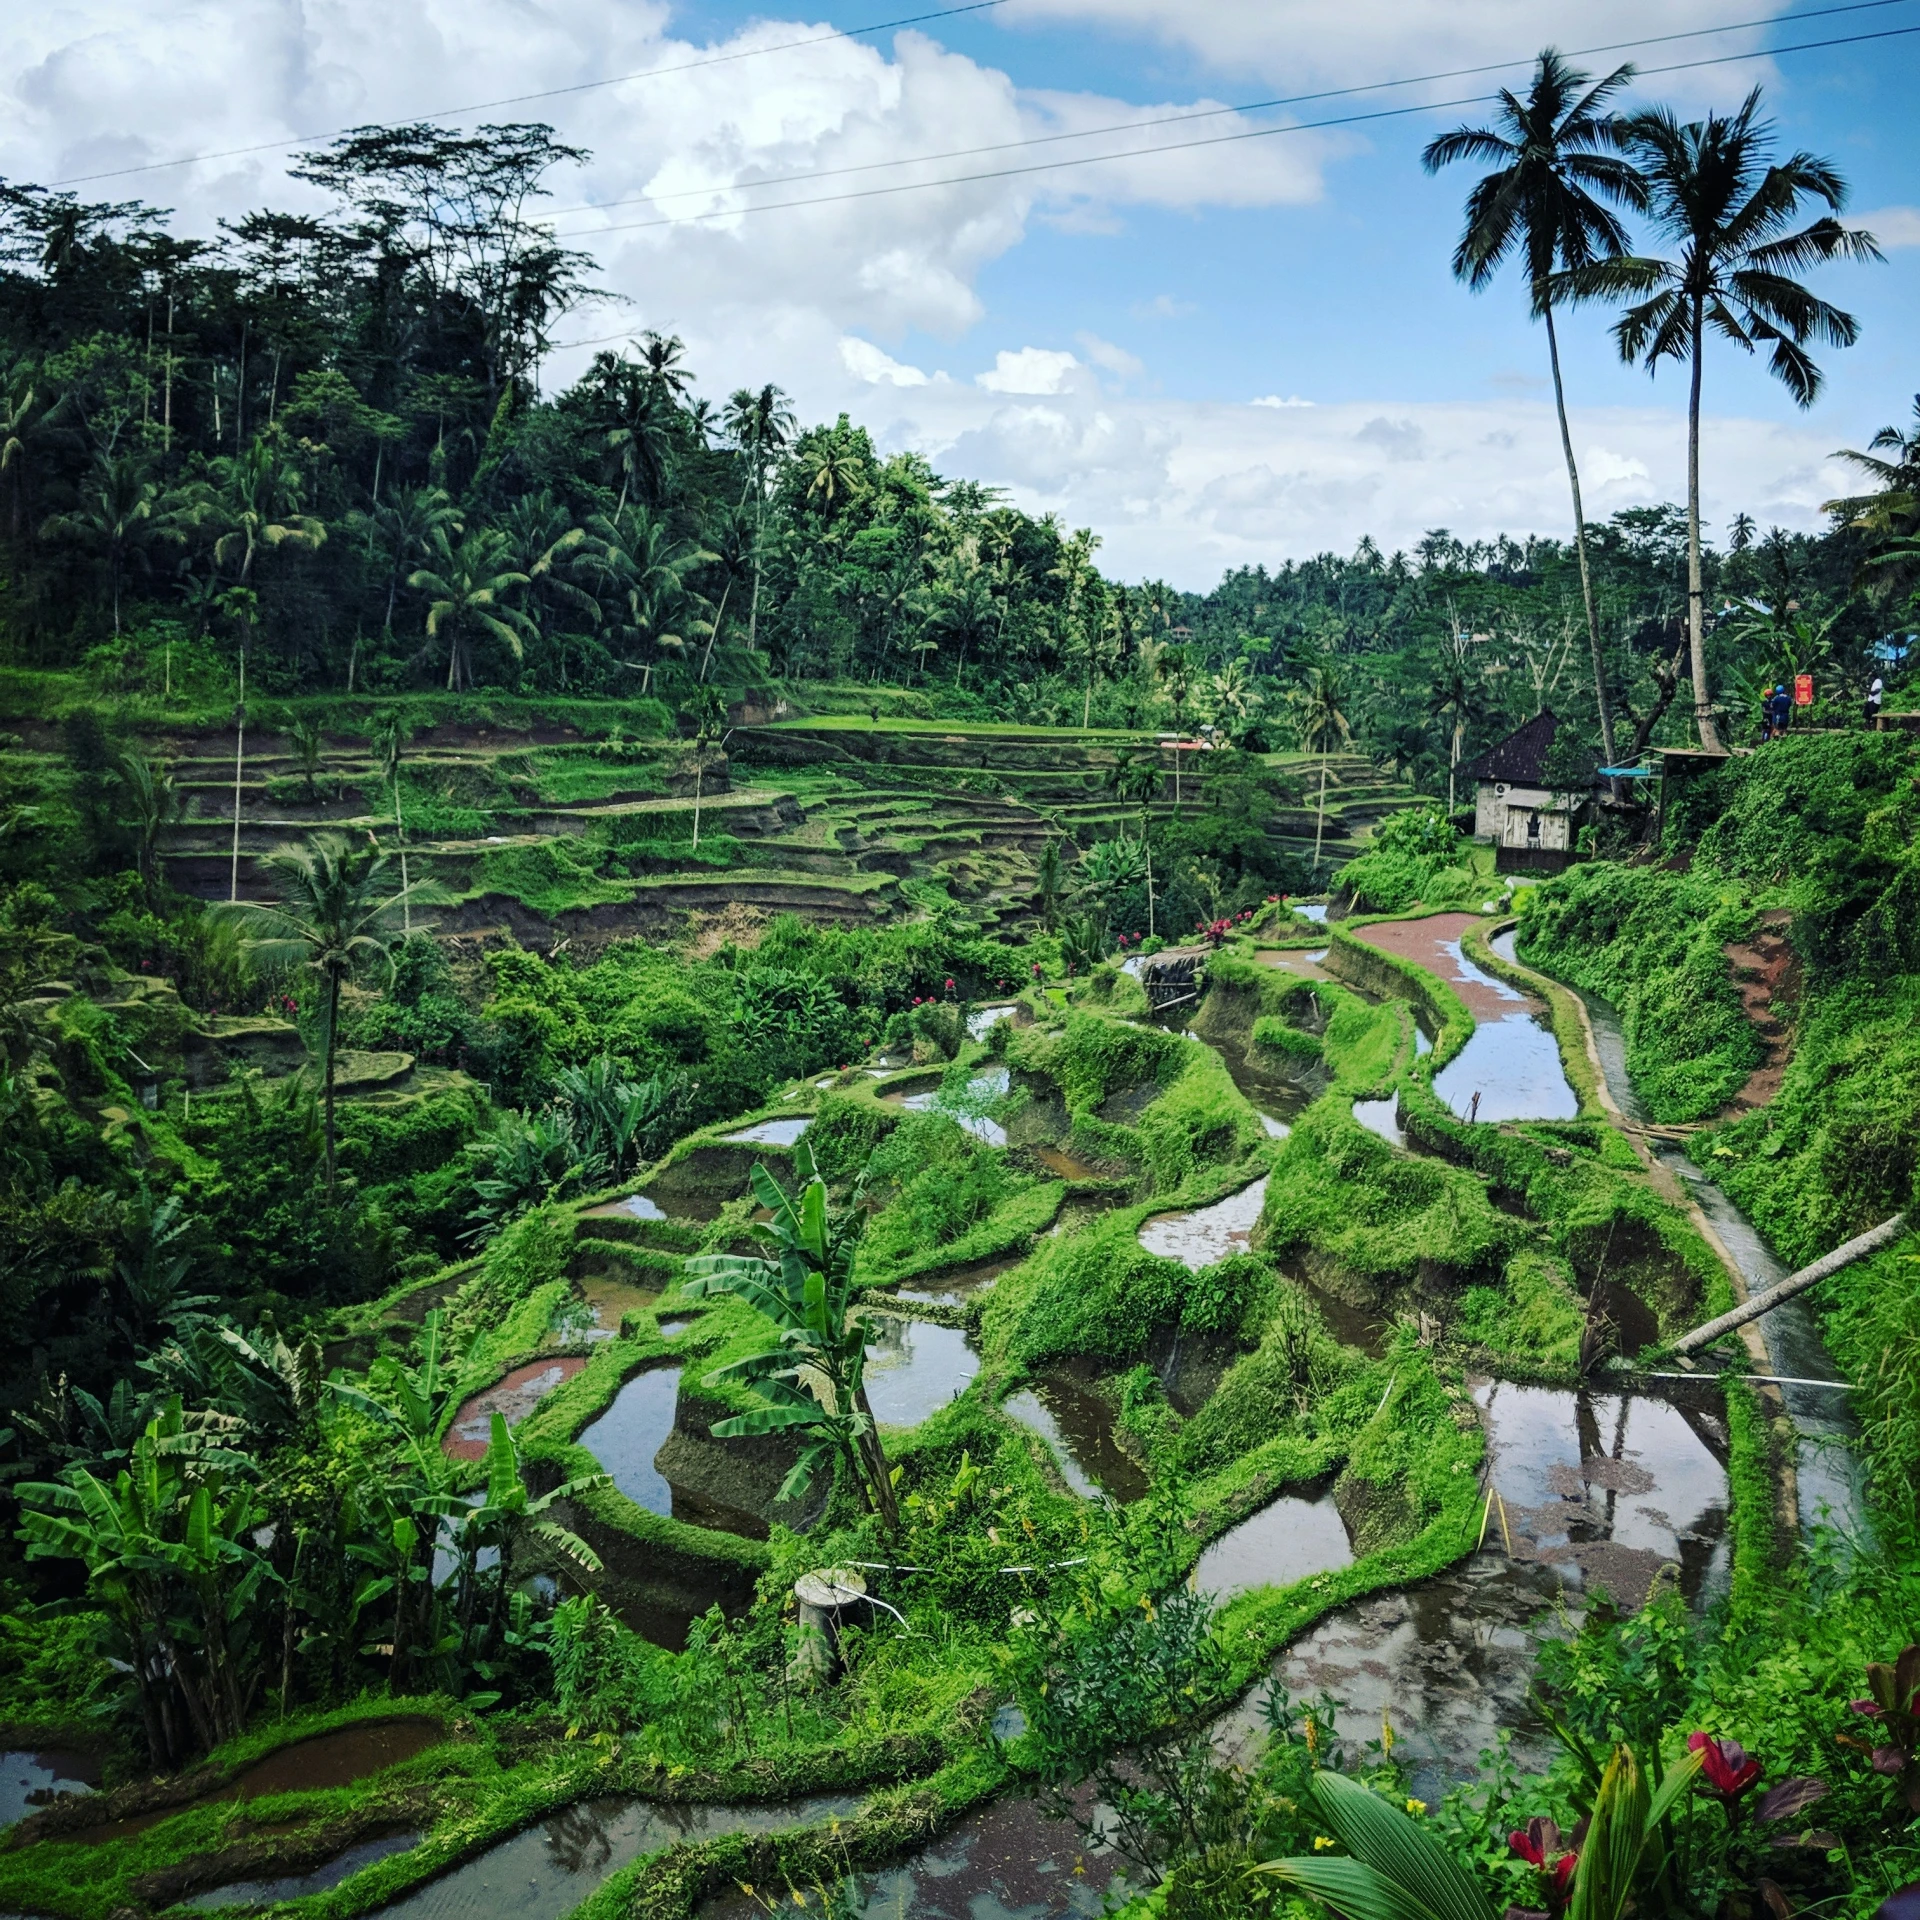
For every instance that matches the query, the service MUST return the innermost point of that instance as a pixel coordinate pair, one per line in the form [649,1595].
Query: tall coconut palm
[389,739]
[1557,159]
[1320,715]
[153,804]
[761,424]
[1732,215]
[337,917]
[122,514]
[406,523]
[467,589]
[638,571]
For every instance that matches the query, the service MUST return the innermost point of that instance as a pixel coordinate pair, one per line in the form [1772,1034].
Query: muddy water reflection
[1004,1861]
[516,1396]
[969,1109]
[1382,1117]
[625,1438]
[1207,1234]
[1077,1424]
[551,1868]
[1610,1489]
[1289,1539]
[915,1368]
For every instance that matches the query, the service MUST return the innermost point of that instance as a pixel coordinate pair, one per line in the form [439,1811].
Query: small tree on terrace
[813,1376]
[336,917]
[1320,714]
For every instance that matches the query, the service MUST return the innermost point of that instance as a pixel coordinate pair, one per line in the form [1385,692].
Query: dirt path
[1765,970]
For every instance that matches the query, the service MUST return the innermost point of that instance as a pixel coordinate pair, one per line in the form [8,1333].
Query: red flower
[1730,1769]
[1541,1844]
[949,986]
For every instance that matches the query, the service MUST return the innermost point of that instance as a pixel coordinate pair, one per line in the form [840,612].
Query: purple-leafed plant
[1895,1708]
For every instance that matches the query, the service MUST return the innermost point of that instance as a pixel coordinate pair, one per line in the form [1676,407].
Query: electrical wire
[524,99]
[1206,113]
[1213,140]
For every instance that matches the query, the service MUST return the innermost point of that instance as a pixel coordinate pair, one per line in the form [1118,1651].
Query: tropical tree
[1049,879]
[309,742]
[706,712]
[336,918]
[1456,699]
[121,514]
[153,804]
[1136,779]
[1890,516]
[638,571]
[407,524]
[761,424]
[813,1374]
[467,589]
[1557,161]
[1732,214]
[1320,715]
[389,738]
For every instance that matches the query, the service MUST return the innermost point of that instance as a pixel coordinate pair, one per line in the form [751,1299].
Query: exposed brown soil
[1766,973]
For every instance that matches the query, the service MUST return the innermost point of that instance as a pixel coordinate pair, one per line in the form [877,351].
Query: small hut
[1514,811]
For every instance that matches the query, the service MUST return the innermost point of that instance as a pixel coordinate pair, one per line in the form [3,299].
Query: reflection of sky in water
[626,1437]
[1314,910]
[1276,1128]
[1514,1066]
[1287,1540]
[29,1780]
[1208,1234]
[265,1893]
[914,1368]
[1381,1117]
[1077,1424]
[769,1133]
[1464,969]
[983,1018]
[1421,1044]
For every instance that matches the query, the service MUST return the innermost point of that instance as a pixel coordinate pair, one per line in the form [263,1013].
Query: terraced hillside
[839,820]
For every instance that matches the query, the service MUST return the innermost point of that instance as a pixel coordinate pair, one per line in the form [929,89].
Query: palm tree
[835,472]
[1320,714]
[813,1376]
[336,918]
[1557,157]
[639,571]
[1136,779]
[761,424]
[467,588]
[1732,215]
[389,741]
[708,712]
[121,514]
[1455,699]
[406,524]
[154,804]
[1889,517]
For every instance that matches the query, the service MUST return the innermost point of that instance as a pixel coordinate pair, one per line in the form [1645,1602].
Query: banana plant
[812,1378]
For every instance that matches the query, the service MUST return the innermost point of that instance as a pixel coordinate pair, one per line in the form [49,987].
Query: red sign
[1803,689]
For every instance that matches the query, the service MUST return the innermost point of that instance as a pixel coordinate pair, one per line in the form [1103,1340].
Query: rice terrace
[785,1133]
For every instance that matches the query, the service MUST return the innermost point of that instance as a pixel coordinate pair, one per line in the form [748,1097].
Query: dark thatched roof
[1521,758]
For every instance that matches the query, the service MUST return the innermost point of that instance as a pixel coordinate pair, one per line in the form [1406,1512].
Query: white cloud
[1103,353]
[1274,400]
[1163,306]
[1183,489]
[1602,467]
[1030,370]
[865,361]
[1891,226]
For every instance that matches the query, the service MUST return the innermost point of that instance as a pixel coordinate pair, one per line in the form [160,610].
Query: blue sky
[1092,340]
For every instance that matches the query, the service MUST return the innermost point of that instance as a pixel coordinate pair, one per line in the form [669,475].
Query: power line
[524,99]
[1212,140]
[1199,113]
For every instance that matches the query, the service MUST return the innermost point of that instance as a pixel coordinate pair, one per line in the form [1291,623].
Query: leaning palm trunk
[1580,547]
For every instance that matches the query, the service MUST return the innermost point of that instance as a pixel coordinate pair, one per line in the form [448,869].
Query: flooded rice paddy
[1289,1539]
[771,1133]
[549,1869]
[915,1368]
[516,1396]
[29,1780]
[1077,1425]
[1206,1235]
[625,1438]
[970,1110]
[295,1886]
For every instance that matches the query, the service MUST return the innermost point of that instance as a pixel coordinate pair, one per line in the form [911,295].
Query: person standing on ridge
[1779,712]
[1876,692]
